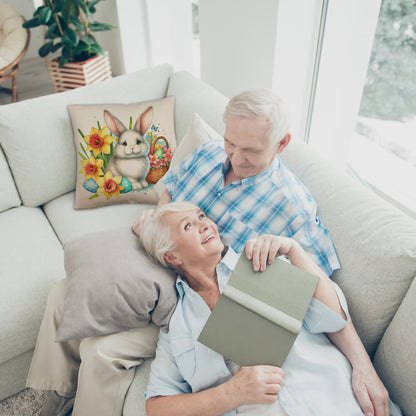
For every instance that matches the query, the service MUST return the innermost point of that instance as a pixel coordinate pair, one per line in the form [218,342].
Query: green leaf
[45,49]
[62,61]
[94,196]
[81,5]
[57,46]
[82,134]
[97,49]
[82,156]
[81,47]
[44,15]
[52,31]
[100,27]
[34,22]
[70,9]
[58,5]
[77,23]
[70,37]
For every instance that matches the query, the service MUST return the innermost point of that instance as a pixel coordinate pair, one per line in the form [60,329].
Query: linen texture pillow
[199,132]
[123,150]
[113,286]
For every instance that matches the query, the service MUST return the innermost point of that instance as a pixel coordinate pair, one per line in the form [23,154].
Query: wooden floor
[33,80]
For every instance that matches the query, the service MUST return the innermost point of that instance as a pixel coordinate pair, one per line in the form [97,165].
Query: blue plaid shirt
[272,202]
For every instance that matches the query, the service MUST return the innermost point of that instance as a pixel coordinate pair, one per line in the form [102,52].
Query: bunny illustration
[130,152]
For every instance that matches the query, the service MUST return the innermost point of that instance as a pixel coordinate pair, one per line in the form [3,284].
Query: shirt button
[219,194]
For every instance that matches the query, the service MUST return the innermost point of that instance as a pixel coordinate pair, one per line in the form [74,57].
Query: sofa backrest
[9,197]
[376,245]
[375,242]
[36,135]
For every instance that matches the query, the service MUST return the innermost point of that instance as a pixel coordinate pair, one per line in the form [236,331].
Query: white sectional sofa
[376,243]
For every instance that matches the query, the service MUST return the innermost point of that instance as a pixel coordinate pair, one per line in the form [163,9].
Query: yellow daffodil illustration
[99,141]
[109,185]
[92,168]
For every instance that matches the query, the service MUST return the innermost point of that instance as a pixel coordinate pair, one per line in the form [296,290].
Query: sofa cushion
[134,403]
[31,260]
[198,133]
[374,241]
[113,286]
[69,223]
[129,146]
[194,96]
[9,196]
[42,146]
[394,359]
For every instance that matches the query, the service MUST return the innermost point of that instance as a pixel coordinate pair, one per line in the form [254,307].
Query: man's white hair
[261,104]
[156,235]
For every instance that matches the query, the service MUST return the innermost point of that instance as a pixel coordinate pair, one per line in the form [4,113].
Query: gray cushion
[41,151]
[31,261]
[375,242]
[113,286]
[9,196]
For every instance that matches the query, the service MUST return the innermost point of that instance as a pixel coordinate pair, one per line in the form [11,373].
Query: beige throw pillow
[123,150]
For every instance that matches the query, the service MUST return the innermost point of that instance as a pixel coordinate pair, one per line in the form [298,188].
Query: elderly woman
[188,378]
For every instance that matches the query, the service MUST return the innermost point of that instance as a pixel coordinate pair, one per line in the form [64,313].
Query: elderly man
[242,185]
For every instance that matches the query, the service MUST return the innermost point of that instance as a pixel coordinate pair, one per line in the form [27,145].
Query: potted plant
[68,32]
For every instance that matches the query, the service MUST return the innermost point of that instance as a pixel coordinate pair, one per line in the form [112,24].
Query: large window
[383,148]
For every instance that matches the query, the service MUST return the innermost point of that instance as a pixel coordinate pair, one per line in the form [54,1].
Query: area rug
[26,403]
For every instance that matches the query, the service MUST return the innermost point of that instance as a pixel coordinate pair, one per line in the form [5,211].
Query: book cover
[259,314]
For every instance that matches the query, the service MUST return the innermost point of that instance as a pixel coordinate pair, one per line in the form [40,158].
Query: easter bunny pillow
[122,151]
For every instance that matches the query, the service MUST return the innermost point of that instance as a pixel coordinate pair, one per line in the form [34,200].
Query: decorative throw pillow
[198,133]
[113,285]
[123,150]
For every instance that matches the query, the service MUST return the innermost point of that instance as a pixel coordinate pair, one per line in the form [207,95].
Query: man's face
[247,146]
[195,236]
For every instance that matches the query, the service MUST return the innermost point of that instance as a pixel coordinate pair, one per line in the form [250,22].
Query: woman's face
[195,236]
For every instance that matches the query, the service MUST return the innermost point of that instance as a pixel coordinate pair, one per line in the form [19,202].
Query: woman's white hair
[261,104]
[156,235]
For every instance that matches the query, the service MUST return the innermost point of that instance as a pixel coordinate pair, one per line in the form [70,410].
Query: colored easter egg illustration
[126,184]
[90,185]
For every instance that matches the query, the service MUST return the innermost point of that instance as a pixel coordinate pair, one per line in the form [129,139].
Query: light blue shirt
[317,375]
[273,202]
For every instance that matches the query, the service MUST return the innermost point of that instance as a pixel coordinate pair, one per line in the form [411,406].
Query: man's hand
[264,249]
[370,392]
[255,385]
[141,219]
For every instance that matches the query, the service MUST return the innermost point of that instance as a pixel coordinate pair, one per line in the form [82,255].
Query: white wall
[170,30]
[131,48]
[238,41]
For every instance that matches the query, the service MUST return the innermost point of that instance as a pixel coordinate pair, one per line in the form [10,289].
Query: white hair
[156,236]
[262,104]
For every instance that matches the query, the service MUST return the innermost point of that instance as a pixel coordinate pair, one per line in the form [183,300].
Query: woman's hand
[255,385]
[141,219]
[264,249]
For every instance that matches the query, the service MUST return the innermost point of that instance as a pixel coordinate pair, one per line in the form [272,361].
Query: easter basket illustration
[160,158]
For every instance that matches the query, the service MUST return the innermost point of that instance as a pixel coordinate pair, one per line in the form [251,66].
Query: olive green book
[259,314]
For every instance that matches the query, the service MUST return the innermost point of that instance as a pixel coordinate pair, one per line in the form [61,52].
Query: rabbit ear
[144,121]
[113,123]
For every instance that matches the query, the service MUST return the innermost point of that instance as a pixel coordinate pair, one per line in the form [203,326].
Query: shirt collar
[224,269]
[252,180]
